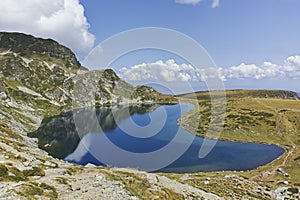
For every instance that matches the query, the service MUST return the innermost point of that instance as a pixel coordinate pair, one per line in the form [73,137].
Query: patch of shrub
[3,170]
[35,171]
[293,190]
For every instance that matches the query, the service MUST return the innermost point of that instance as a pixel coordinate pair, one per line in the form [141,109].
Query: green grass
[30,190]
[3,171]
[62,180]
[17,174]
[35,171]
[260,120]
[140,187]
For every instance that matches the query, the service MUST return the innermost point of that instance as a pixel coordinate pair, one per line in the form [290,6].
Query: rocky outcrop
[2,95]
[28,46]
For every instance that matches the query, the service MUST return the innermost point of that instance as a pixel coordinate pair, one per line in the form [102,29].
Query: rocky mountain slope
[38,74]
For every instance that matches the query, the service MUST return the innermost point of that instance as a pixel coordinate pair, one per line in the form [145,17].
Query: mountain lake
[155,141]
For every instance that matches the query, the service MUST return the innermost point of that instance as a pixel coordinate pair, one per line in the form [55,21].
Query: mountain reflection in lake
[58,136]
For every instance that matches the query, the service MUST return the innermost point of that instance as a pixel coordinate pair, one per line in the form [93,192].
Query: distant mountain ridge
[276,94]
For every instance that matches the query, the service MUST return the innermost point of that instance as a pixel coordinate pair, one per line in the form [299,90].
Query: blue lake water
[172,149]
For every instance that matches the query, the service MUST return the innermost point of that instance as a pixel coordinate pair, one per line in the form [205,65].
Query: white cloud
[210,73]
[194,2]
[291,67]
[215,3]
[244,71]
[170,71]
[61,20]
[165,71]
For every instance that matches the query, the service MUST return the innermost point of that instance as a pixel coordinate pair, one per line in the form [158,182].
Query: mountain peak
[27,45]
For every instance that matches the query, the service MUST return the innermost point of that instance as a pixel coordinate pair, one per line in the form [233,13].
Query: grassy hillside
[251,117]
[278,94]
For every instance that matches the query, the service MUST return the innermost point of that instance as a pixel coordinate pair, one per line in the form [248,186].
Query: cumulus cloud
[291,67]
[165,71]
[215,3]
[244,71]
[170,71]
[61,20]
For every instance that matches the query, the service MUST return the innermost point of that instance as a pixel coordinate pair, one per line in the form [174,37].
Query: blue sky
[251,31]
[262,34]
[254,43]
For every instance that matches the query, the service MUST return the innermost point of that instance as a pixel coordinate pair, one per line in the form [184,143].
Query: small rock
[18,184]
[97,184]
[228,176]
[50,164]
[55,171]
[130,179]
[11,174]
[90,165]
[285,182]
[47,145]
[281,171]
[185,177]
[84,190]
[74,188]
[3,95]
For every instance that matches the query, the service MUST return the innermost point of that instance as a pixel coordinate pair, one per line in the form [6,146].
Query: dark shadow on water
[58,135]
